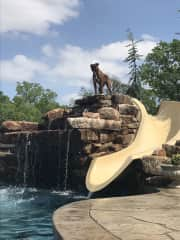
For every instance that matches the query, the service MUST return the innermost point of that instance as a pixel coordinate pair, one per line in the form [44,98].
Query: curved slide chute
[152,133]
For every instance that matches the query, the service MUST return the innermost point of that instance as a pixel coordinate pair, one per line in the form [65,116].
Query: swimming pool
[26,213]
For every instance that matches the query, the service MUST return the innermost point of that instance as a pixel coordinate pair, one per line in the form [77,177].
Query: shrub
[176,159]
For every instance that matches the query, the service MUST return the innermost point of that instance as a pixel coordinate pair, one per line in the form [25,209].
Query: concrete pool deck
[153,216]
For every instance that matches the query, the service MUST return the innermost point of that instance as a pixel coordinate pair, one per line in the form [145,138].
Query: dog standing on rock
[100,78]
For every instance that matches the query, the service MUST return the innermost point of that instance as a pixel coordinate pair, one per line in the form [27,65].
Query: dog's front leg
[94,83]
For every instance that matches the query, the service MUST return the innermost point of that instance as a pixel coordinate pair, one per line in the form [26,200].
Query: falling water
[89,195]
[67,159]
[35,161]
[59,157]
[18,156]
[26,161]
[49,124]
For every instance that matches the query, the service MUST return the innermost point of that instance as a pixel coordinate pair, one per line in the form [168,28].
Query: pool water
[26,213]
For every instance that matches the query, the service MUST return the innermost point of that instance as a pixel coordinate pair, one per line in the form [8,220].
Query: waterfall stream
[67,159]
[59,158]
[49,124]
[18,156]
[90,194]
[26,161]
[46,159]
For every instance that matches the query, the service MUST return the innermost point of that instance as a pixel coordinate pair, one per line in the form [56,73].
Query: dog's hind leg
[101,87]
[109,86]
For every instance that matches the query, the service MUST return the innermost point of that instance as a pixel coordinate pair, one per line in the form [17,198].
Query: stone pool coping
[153,216]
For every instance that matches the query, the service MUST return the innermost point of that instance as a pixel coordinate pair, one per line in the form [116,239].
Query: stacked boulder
[106,123]
[14,126]
[114,121]
[155,165]
[95,126]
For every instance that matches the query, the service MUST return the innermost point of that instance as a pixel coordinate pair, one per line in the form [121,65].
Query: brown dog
[100,78]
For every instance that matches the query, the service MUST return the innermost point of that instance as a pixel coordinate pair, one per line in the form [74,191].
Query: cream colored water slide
[152,133]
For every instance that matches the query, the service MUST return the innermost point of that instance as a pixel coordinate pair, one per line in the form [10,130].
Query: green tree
[85,92]
[7,108]
[161,71]
[29,92]
[118,86]
[134,89]
[47,101]
[33,98]
[149,100]
[29,103]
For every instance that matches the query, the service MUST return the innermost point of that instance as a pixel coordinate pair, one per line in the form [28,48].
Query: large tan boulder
[55,113]
[127,109]
[88,135]
[121,99]
[95,99]
[152,164]
[13,126]
[91,123]
[107,137]
[54,118]
[124,139]
[91,115]
[109,113]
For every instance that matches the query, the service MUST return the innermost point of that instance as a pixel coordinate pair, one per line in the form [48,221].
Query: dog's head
[94,67]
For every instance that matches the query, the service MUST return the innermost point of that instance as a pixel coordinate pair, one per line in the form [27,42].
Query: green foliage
[134,89]
[28,112]
[7,108]
[149,100]
[29,92]
[35,94]
[118,87]
[84,92]
[30,102]
[161,70]
[175,159]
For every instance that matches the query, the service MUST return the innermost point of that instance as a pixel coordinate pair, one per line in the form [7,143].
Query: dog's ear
[91,66]
[97,64]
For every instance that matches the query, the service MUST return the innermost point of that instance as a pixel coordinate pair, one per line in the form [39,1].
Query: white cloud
[149,37]
[69,98]
[113,51]
[35,16]
[69,66]
[21,68]
[73,63]
[48,50]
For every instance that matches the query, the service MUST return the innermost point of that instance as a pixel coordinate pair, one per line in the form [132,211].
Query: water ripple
[26,213]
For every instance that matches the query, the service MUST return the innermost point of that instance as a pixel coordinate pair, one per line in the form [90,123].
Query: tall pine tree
[134,89]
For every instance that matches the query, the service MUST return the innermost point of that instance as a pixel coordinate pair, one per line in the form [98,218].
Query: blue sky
[52,42]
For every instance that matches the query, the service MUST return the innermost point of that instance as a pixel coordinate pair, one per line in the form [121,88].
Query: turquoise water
[26,213]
